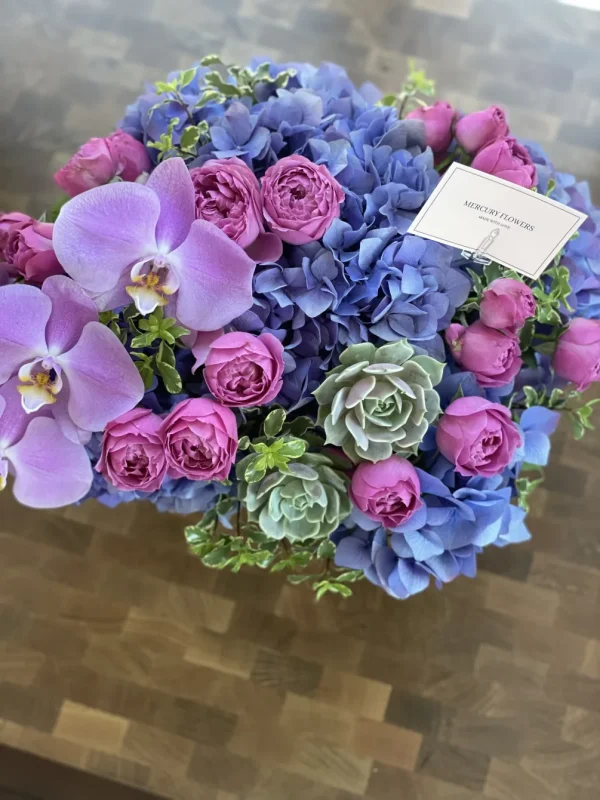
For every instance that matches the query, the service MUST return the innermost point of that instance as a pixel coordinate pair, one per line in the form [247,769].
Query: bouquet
[226,315]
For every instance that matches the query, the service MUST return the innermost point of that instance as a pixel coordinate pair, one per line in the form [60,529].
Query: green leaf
[388,100]
[556,398]
[217,557]
[297,579]
[163,88]
[492,272]
[185,77]
[210,96]
[143,340]
[215,80]
[551,187]
[545,348]
[342,589]
[531,396]
[294,448]
[54,211]
[477,282]
[178,331]
[351,576]
[189,138]
[274,422]
[256,470]
[326,549]
[146,370]
[244,443]
[527,334]
[210,60]
[165,364]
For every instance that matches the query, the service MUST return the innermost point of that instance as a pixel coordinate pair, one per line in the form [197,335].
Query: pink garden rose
[244,370]
[507,304]
[438,120]
[100,160]
[509,160]
[475,131]
[227,193]
[577,355]
[9,224]
[200,440]
[477,436]
[30,251]
[492,356]
[301,199]
[388,491]
[133,454]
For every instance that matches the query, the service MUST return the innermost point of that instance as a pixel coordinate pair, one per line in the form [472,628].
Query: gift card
[491,219]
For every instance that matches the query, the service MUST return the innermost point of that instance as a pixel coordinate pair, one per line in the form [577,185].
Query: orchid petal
[102,232]
[72,309]
[60,412]
[173,185]
[266,248]
[215,278]
[24,312]
[34,396]
[50,471]
[13,418]
[103,381]
[201,345]
[146,299]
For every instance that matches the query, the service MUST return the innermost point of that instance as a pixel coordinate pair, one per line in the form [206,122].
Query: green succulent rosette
[307,499]
[379,400]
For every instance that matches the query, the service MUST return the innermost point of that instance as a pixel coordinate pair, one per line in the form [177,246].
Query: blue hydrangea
[441,540]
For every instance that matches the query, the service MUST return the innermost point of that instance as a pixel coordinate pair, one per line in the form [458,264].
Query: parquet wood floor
[122,656]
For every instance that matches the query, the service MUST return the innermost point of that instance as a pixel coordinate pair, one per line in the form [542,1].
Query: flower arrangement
[225,315]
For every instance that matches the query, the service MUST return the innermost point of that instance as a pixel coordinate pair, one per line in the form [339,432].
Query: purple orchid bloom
[125,241]
[50,470]
[64,358]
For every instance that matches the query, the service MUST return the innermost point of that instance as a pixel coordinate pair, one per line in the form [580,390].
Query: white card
[496,220]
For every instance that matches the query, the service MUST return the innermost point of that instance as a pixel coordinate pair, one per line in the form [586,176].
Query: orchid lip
[154,281]
[41,382]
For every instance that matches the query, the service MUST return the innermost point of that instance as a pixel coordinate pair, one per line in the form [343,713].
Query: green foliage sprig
[416,83]
[278,441]
[157,337]
[231,82]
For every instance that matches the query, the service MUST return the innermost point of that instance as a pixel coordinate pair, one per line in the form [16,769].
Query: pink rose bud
[29,250]
[133,453]
[477,436]
[130,157]
[492,356]
[577,354]
[388,491]
[200,440]
[301,199]
[228,195]
[10,223]
[509,160]
[100,160]
[244,370]
[507,304]
[438,120]
[479,129]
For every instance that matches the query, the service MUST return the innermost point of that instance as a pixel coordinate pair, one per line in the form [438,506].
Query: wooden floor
[121,656]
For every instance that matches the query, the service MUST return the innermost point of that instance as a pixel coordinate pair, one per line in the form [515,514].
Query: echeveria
[379,400]
[125,241]
[308,501]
